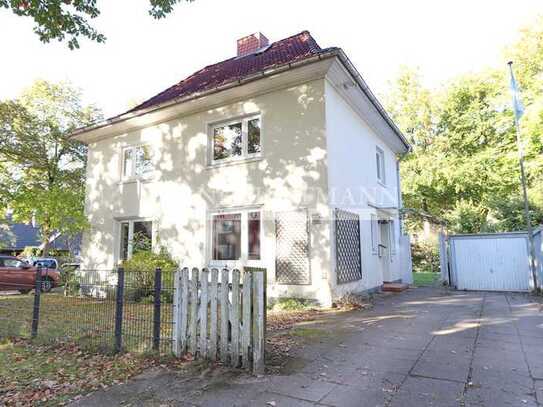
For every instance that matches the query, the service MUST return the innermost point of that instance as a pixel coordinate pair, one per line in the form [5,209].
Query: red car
[18,275]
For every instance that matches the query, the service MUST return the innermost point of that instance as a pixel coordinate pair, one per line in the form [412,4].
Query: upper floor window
[236,140]
[380,162]
[137,161]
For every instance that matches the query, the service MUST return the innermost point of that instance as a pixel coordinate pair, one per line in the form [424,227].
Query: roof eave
[235,83]
[373,99]
[329,53]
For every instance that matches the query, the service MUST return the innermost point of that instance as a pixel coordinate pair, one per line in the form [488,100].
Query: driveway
[424,347]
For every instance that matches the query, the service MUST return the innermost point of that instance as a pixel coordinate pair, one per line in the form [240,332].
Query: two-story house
[280,157]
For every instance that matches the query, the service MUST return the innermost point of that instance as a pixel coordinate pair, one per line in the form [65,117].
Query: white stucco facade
[316,147]
[353,186]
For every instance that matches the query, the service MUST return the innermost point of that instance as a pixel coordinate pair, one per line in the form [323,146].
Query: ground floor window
[135,235]
[236,235]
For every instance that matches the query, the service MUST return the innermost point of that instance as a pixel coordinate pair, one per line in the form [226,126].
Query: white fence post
[184,309]
[259,315]
[234,319]
[247,322]
[176,314]
[203,312]
[213,329]
[193,321]
[224,303]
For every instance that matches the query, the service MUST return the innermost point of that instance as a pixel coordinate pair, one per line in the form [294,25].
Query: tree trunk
[46,244]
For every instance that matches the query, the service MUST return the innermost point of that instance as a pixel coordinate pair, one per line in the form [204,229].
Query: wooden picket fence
[221,319]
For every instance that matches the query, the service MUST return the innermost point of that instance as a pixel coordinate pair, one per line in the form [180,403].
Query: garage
[490,262]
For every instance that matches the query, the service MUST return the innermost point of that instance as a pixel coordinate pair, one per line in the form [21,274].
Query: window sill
[234,264]
[137,180]
[234,162]
[382,183]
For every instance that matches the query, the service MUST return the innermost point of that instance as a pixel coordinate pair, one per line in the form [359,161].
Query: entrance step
[395,287]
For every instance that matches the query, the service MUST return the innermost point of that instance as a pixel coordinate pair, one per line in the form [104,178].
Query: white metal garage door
[497,262]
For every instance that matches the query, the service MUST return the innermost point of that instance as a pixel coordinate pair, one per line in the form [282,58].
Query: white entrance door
[384,249]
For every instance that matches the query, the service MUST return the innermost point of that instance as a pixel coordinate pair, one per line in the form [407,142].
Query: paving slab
[347,396]
[300,386]
[496,397]
[268,399]
[421,392]
[422,347]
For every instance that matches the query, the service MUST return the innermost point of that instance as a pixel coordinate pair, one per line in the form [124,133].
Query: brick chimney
[252,43]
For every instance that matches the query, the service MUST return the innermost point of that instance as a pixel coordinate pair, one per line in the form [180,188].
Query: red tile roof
[288,50]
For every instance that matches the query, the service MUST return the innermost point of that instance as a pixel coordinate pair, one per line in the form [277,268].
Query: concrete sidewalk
[424,347]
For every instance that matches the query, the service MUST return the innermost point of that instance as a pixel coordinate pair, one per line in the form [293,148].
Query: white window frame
[244,140]
[380,168]
[131,222]
[133,169]
[244,255]
[374,225]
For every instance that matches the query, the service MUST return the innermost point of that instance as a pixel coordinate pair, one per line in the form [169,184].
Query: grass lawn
[88,321]
[421,278]
[35,374]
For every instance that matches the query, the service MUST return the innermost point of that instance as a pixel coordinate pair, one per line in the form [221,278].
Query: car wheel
[46,285]
[24,291]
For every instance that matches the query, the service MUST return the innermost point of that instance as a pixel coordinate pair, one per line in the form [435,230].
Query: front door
[384,249]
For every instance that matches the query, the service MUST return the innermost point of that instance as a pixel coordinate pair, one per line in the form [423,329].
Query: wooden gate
[221,320]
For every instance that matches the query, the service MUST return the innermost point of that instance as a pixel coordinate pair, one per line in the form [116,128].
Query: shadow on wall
[184,188]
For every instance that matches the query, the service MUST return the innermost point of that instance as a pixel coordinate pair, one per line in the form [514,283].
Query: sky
[143,56]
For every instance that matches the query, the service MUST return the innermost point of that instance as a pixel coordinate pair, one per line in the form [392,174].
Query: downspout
[399,195]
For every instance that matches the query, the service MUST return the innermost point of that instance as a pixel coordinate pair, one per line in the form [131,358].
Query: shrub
[425,257]
[140,273]
[70,280]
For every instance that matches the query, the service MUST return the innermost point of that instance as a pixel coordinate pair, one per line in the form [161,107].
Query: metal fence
[109,310]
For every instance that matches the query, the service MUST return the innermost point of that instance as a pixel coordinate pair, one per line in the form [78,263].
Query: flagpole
[525,196]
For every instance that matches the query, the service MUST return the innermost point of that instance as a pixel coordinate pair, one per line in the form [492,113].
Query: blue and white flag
[518,107]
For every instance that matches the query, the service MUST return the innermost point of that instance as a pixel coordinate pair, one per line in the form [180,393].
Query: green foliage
[7,237]
[425,279]
[425,257]
[61,19]
[464,165]
[34,251]
[70,279]
[30,251]
[141,242]
[43,171]
[291,304]
[140,273]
